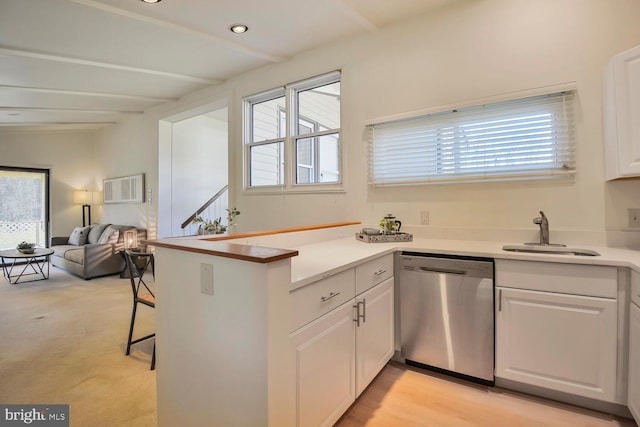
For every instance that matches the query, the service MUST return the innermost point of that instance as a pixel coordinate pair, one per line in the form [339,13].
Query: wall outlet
[206,278]
[424,218]
[634,218]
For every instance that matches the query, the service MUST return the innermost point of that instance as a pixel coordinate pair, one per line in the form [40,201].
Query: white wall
[199,165]
[130,148]
[69,157]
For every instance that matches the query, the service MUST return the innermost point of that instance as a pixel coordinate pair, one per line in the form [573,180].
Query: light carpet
[62,341]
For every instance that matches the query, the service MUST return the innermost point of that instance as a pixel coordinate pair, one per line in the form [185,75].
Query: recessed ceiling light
[238,28]
[152,1]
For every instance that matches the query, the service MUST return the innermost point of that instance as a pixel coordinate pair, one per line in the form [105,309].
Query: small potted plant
[26,248]
[216,227]
[231,216]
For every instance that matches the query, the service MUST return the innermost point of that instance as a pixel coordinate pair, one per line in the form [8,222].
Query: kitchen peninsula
[225,316]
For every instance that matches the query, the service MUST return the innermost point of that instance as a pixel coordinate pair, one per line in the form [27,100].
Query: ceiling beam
[172,26]
[4,50]
[88,94]
[6,124]
[75,110]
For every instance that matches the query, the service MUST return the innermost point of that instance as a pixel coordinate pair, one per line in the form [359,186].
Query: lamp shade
[82,197]
[130,239]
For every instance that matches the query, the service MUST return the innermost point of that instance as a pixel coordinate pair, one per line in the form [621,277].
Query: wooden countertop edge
[249,253]
[215,245]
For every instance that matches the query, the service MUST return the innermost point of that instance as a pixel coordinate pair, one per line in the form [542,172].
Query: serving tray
[382,238]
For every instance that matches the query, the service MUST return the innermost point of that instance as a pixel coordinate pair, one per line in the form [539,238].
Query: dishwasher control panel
[466,266]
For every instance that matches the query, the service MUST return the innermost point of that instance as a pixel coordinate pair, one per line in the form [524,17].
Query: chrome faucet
[543,222]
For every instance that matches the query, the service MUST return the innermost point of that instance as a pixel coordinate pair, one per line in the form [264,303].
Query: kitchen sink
[550,250]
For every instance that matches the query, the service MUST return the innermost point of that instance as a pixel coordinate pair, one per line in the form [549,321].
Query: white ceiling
[84,64]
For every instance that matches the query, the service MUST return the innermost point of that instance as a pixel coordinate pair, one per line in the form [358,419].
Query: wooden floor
[405,397]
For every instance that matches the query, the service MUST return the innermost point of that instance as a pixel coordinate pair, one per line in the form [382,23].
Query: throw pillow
[96,232]
[109,235]
[79,236]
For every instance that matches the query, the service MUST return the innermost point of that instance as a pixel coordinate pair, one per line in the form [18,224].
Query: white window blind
[518,139]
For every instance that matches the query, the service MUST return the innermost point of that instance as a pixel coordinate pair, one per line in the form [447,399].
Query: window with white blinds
[518,139]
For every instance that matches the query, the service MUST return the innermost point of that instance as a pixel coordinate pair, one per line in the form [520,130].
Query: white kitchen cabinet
[374,334]
[557,341]
[621,110]
[325,359]
[338,355]
[556,326]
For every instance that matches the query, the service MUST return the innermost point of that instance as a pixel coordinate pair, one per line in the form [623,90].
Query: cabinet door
[374,335]
[626,88]
[325,367]
[634,362]
[557,341]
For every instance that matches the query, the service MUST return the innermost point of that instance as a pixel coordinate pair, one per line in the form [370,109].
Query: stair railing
[204,206]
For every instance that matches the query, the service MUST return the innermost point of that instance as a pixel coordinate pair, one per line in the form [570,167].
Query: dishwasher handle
[443,271]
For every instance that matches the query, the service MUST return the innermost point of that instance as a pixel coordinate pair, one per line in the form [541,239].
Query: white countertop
[318,260]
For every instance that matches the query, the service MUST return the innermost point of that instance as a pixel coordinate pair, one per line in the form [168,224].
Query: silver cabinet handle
[359,316]
[379,272]
[364,310]
[500,300]
[331,295]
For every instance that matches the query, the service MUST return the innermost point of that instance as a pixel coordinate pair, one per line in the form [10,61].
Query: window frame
[248,142]
[290,158]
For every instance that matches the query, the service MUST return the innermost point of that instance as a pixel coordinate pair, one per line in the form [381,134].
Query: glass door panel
[24,206]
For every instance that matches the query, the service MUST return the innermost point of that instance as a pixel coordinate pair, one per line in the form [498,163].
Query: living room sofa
[92,251]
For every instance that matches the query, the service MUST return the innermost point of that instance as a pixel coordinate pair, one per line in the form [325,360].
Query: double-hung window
[292,135]
[522,138]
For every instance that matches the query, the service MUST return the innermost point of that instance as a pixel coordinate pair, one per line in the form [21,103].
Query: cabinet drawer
[373,272]
[635,287]
[312,301]
[576,279]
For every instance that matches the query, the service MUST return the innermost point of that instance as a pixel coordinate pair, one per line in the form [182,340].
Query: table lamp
[131,239]
[83,197]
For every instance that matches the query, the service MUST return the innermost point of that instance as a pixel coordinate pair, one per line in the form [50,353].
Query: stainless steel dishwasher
[446,314]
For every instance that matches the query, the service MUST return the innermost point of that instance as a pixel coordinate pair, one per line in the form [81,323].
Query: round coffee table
[33,264]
